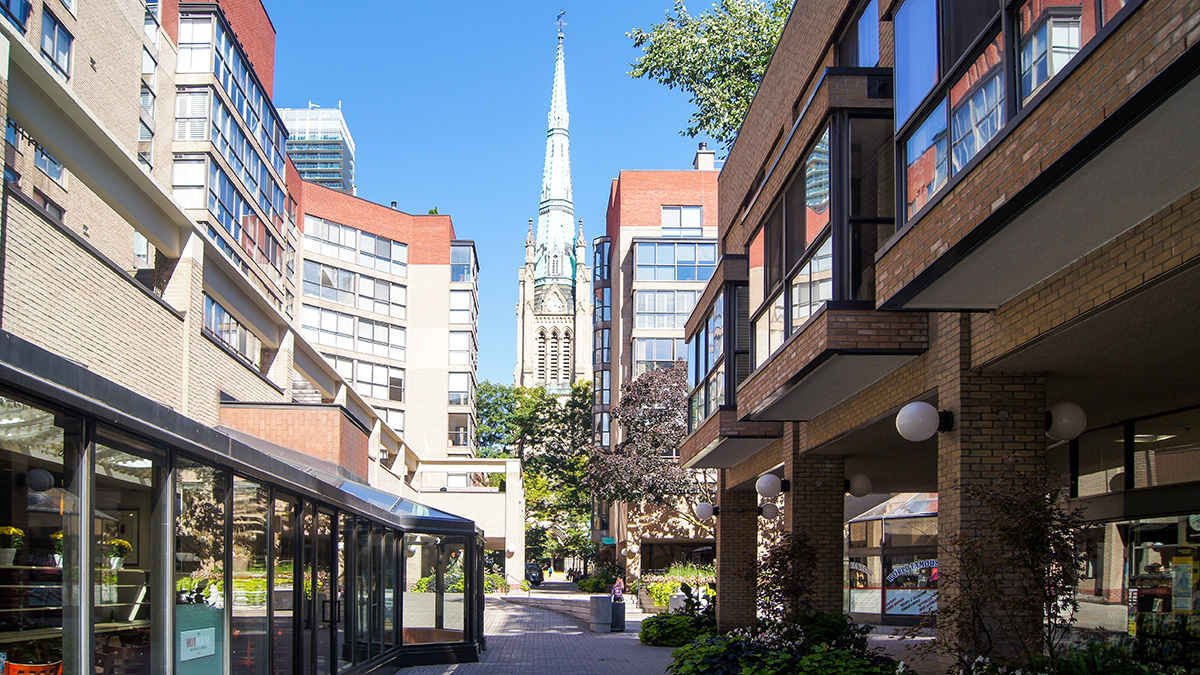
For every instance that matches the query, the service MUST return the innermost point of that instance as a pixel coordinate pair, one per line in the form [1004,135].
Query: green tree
[718,57]
[512,420]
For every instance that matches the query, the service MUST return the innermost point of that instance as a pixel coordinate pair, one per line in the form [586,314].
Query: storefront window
[249,575]
[1166,450]
[1102,461]
[910,584]
[436,594]
[283,550]
[122,558]
[199,569]
[39,531]
[863,584]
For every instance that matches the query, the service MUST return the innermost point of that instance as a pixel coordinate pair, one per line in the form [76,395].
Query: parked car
[533,573]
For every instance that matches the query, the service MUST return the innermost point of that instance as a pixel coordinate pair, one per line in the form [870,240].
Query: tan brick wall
[61,297]
[814,506]
[737,545]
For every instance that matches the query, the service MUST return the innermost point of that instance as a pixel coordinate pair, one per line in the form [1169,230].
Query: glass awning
[903,505]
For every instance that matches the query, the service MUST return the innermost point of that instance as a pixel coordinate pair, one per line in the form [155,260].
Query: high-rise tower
[554,311]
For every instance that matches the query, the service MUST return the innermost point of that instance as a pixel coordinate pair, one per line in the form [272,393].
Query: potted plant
[119,549]
[40,657]
[11,539]
[57,540]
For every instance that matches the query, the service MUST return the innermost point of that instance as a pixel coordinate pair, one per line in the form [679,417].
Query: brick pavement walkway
[532,641]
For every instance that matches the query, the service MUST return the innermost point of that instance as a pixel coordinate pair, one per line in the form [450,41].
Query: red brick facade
[326,432]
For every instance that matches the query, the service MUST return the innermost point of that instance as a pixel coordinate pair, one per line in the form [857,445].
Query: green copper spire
[555,252]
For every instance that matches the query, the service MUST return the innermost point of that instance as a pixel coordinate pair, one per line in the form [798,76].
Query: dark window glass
[965,21]
[860,46]
[793,209]
[200,561]
[774,250]
[249,577]
[283,550]
[816,185]
[872,168]
[916,55]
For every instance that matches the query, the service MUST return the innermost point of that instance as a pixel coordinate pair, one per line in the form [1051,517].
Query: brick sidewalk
[533,641]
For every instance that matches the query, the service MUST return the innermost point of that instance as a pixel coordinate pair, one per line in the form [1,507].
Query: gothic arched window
[541,356]
[568,365]
[553,349]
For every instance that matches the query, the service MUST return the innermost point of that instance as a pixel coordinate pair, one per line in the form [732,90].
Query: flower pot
[35,669]
[58,560]
[7,555]
[116,563]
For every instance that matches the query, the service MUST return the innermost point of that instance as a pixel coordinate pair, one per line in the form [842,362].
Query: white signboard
[194,644]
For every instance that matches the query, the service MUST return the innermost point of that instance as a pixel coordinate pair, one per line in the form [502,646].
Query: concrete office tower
[320,145]
[657,254]
[554,309]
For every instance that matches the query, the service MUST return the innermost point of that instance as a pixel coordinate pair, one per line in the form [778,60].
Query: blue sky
[447,103]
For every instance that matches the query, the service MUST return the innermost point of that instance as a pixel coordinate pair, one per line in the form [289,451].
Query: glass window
[39,539]
[17,12]
[926,153]
[381,339]
[459,432]
[462,348]
[195,45]
[965,21]
[285,568]
[251,506]
[1051,34]
[56,44]
[332,239]
[682,221]
[187,183]
[460,389]
[651,353]
[910,584]
[769,330]
[379,381]
[382,254]
[462,307]
[601,424]
[603,304]
[812,285]
[1166,450]
[601,347]
[674,261]
[872,168]
[462,263]
[435,596]
[123,557]
[916,69]
[860,46]
[327,327]
[200,591]
[977,105]
[330,283]
[663,309]
[602,393]
[49,166]
[222,325]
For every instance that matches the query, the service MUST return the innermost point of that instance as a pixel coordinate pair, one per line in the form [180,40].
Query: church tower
[554,308]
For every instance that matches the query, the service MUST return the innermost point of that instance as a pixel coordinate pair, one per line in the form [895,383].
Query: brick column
[999,429]
[737,557]
[816,505]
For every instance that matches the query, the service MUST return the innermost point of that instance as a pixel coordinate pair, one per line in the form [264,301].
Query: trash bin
[618,615]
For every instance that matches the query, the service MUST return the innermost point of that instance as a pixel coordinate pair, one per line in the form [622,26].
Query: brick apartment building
[991,209]
[658,251]
[199,483]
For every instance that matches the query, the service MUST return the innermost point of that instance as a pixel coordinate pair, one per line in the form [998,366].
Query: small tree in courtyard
[1009,590]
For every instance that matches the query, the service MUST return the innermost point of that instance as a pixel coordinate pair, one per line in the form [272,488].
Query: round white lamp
[39,480]
[770,511]
[768,485]
[1067,421]
[704,511]
[510,552]
[633,550]
[919,421]
[412,550]
[859,485]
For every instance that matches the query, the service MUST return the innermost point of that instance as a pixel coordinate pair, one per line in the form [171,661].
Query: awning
[608,541]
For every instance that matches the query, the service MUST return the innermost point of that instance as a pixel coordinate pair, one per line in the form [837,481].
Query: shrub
[671,630]
[661,591]
[593,585]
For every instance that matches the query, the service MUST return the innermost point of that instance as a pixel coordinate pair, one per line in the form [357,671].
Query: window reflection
[927,169]
[39,523]
[199,567]
[977,104]
[1051,33]
[812,285]
[283,549]
[121,576]
[249,577]
[916,55]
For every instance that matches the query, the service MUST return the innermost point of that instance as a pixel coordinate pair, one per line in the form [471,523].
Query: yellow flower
[120,548]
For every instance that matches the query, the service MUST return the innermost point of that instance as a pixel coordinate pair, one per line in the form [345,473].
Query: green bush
[661,591]
[1097,658]
[671,630]
[593,585]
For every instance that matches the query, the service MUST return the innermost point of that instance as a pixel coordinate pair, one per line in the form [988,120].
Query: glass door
[319,611]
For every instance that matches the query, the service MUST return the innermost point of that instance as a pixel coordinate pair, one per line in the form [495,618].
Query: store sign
[194,644]
[911,568]
[910,601]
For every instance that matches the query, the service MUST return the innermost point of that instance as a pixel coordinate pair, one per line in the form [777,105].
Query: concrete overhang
[837,354]
[1136,162]
[722,441]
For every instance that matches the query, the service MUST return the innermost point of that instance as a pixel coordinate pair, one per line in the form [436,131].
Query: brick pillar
[737,557]
[999,429]
[816,505]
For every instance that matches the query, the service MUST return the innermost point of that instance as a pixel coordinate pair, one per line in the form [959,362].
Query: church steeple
[555,253]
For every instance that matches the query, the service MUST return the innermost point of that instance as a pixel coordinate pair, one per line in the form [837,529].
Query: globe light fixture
[1065,421]
[705,511]
[768,485]
[919,421]
[510,552]
[633,550]
[858,485]
[39,480]
[769,511]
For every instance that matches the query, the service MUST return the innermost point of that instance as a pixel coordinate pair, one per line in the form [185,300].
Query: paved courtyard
[533,641]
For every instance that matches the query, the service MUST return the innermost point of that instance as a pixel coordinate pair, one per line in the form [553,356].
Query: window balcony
[817,339]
